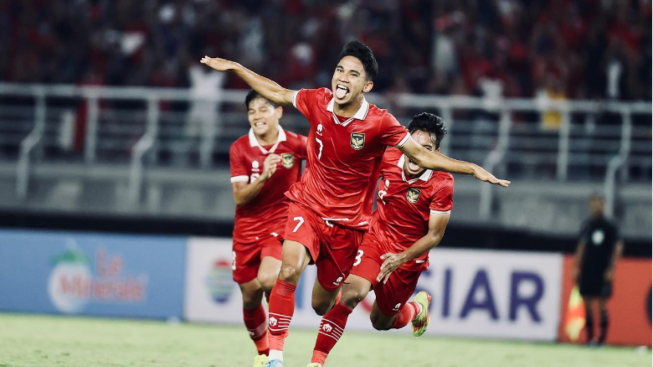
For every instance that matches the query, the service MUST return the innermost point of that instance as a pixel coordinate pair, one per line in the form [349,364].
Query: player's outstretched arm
[437,225]
[440,162]
[264,86]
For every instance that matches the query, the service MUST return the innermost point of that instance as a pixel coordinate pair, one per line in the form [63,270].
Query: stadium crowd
[596,49]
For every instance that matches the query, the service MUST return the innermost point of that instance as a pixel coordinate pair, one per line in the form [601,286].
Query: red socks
[406,315]
[257,326]
[331,329]
[282,307]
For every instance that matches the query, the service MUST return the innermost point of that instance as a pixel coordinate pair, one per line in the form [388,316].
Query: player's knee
[351,297]
[321,307]
[289,274]
[267,281]
[380,324]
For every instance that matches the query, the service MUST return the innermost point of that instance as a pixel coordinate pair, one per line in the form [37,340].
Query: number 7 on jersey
[300,220]
[319,142]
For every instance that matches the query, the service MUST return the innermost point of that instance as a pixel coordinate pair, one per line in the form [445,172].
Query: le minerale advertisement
[92,274]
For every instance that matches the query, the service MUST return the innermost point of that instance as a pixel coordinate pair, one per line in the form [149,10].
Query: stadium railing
[139,127]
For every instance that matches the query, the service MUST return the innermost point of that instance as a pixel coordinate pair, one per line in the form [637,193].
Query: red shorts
[332,248]
[391,296]
[246,257]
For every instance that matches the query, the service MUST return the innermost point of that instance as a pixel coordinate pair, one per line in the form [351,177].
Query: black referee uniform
[600,237]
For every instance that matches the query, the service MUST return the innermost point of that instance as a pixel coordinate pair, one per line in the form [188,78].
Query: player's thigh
[268,272]
[295,260]
[252,293]
[354,291]
[380,320]
[590,302]
[271,256]
[603,303]
[301,243]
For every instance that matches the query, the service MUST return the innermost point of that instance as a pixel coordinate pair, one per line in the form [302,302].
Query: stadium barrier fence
[565,140]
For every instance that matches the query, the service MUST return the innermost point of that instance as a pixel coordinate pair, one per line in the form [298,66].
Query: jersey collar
[359,115]
[253,142]
[425,176]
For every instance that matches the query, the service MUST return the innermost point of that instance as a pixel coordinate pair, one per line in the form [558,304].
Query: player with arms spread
[264,164]
[413,209]
[330,206]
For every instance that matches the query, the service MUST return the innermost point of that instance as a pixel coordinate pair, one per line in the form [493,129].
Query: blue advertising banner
[92,274]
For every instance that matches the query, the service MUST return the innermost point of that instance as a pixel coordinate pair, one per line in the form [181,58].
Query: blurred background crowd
[584,49]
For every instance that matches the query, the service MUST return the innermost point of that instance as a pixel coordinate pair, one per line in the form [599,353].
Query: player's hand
[483,175]
[574,275]
[270,165]
[609,275]
[218,63]
[391,263]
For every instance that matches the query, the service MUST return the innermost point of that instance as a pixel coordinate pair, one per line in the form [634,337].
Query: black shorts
[595,286]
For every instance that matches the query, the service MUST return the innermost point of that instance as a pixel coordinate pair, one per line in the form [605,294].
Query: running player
[264,164]
[413,209]
[330,206]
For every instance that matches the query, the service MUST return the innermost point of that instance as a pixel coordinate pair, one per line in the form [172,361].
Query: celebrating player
[264,164]
[413,208]
[330,206]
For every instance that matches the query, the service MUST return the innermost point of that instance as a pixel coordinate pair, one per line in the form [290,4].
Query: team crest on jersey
[357,141]
[287,160]
[413,195]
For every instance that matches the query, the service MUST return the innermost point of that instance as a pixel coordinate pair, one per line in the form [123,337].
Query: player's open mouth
[257,124]
[413,166]
[341,91]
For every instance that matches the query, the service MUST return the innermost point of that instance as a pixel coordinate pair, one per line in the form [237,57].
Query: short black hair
[252,95]
[363,53]
[430,123]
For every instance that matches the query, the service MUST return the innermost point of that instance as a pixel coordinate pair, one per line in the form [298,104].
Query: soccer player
[413,209]
[330,206]
[599,249]
[264,164]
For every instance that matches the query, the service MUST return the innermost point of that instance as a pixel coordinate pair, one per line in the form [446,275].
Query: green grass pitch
[43,341]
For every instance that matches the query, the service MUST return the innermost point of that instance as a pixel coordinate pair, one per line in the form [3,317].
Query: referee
[599,249]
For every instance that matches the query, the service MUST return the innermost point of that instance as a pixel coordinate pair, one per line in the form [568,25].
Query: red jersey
[267,212]
[404,206]
[344,158]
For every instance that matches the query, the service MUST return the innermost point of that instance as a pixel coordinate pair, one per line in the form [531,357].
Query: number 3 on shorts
[300,220]
[359,257]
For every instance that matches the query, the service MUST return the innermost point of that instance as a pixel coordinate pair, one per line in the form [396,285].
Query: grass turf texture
[78,342]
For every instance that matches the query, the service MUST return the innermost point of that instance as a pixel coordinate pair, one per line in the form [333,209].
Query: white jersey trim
[403,141]
[294,98]
[361,114]
[240,179]
[253,142]
[438,212]
[425,176]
